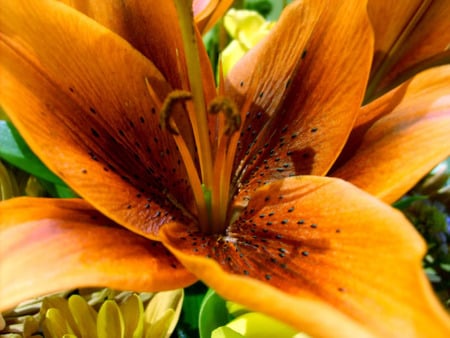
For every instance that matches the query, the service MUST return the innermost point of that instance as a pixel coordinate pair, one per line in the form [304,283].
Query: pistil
[166,109]
[201,131]
[215,169]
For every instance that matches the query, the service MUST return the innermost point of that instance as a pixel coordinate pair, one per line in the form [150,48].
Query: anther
[229,109]
[174,97]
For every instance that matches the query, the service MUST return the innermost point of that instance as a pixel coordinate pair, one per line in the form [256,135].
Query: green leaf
[407,201]
[213,314]
[14,150]
[57,190]
[188,324]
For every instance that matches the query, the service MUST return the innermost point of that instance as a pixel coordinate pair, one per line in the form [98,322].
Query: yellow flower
[96,314]
[246,29]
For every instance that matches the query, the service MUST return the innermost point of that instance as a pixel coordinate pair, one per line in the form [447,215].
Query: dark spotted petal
[77,94]
[322,241]
[305,81]
[51,245]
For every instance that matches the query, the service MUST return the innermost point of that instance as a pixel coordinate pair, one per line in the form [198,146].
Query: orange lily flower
[182,182]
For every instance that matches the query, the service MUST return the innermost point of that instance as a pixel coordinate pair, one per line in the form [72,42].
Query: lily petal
[306,81]
[305,242]
[415,37]
[50,245]
[77,94]
[144,24]
[418,129]
[368,115]
[208,12]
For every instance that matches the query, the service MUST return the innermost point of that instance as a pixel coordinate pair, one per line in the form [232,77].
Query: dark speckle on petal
[94,132]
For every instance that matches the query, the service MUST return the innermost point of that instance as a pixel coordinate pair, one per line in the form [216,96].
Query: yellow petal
[110,323]
[133,314]
[84,315]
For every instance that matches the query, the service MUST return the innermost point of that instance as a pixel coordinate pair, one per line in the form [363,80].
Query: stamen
[153,95]
[225,153]
[166,110]
[177,96]
[230,111]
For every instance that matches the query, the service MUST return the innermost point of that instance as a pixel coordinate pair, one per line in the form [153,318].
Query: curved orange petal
[50,245]
[399,13]
[152,28]
[208,12]
[305,242]
[410,36]
[368,115]
[305,81]
[77,94]
[406,144]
